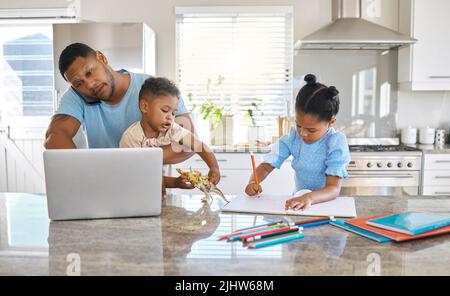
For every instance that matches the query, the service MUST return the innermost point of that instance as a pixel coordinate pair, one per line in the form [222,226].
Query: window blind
[26,74]
[235,60]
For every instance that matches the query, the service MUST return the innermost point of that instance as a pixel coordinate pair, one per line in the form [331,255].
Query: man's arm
[172,157]
[60,132]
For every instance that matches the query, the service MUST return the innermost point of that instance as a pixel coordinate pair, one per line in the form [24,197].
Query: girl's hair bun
[310,79]
[333,91]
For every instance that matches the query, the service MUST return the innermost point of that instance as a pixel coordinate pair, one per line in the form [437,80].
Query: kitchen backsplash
[424,108]
[367,82]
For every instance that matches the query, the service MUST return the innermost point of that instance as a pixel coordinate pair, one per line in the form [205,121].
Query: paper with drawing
[274,204]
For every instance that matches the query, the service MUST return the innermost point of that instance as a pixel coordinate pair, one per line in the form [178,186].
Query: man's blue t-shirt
[105,123]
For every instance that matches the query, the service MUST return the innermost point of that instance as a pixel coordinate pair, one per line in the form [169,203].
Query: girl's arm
[329,192]
[262,171]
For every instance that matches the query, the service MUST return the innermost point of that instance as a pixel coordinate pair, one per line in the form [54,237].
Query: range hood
[349,31]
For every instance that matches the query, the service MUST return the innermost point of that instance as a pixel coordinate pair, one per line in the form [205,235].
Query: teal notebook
[367,234]
[411,223]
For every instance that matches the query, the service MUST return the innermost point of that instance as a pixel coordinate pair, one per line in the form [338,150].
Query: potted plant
[220,119]
[255,133]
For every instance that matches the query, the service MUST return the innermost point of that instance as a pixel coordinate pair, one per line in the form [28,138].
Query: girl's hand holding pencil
[253,189]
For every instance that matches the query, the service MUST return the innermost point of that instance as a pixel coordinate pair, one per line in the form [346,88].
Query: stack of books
[400,227]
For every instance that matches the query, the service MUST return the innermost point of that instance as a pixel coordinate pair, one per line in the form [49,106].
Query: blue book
[362,232]
[411,223]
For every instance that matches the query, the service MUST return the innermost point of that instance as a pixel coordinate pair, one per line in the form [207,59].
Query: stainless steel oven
[383,170]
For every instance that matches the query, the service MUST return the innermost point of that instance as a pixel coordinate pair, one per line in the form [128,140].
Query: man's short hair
[71,53]
[158,86]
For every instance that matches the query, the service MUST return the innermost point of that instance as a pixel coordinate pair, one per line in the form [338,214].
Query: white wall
[429,108]
[160,16]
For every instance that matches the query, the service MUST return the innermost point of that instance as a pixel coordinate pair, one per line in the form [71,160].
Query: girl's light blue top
[312,163]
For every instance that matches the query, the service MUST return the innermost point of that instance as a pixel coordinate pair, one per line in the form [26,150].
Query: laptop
[103,183]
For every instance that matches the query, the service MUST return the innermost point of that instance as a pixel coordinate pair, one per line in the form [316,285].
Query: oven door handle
[380,176]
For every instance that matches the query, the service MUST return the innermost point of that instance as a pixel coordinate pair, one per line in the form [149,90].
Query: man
[103,100]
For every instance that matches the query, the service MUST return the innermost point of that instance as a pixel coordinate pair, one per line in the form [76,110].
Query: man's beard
[111,82]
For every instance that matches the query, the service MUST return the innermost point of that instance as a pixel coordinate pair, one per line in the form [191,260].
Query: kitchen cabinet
[426,64]
[235,171]
[436,174]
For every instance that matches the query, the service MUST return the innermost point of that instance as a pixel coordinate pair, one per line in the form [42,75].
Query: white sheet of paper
[343,206]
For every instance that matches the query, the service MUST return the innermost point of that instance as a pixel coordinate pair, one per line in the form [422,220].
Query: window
[237,56]
[26,74]
[26,62]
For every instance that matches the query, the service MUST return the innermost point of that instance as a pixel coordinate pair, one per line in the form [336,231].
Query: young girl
[320,153]
[158,102]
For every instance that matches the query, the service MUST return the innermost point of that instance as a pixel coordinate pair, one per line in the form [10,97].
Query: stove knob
[409,164]
[399,164]
[379,164]
[389,164]
[369,164]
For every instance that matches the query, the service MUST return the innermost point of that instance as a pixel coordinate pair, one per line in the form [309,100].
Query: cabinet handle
[442,192]
[380,176]
[219,160]
[439,77]
[442,177]
[442,161]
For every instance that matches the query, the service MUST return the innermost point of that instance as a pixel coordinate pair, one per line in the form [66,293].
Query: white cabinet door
[437,162]
[225,160]
[436,178]
[426,64]
[436,190]
[436,174]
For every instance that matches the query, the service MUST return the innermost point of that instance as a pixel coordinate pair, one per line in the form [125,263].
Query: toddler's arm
[190,140]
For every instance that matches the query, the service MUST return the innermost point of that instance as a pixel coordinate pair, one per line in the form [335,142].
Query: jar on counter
[440,136]
[409,135]
[426,135]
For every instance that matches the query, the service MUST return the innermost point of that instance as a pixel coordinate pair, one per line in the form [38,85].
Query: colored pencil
[255,175]
[275,237]
[305,223]
[310,221]
[270,235]
[238,236]
[317,223]
[257,226]
[251,229]
[277,241]
[245,236]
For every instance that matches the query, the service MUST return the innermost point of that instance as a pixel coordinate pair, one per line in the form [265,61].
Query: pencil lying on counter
[277,224]
[284,238]
[238,236]
[271,235]
[276,230]
[312,222]
[252,228]
[274,237]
